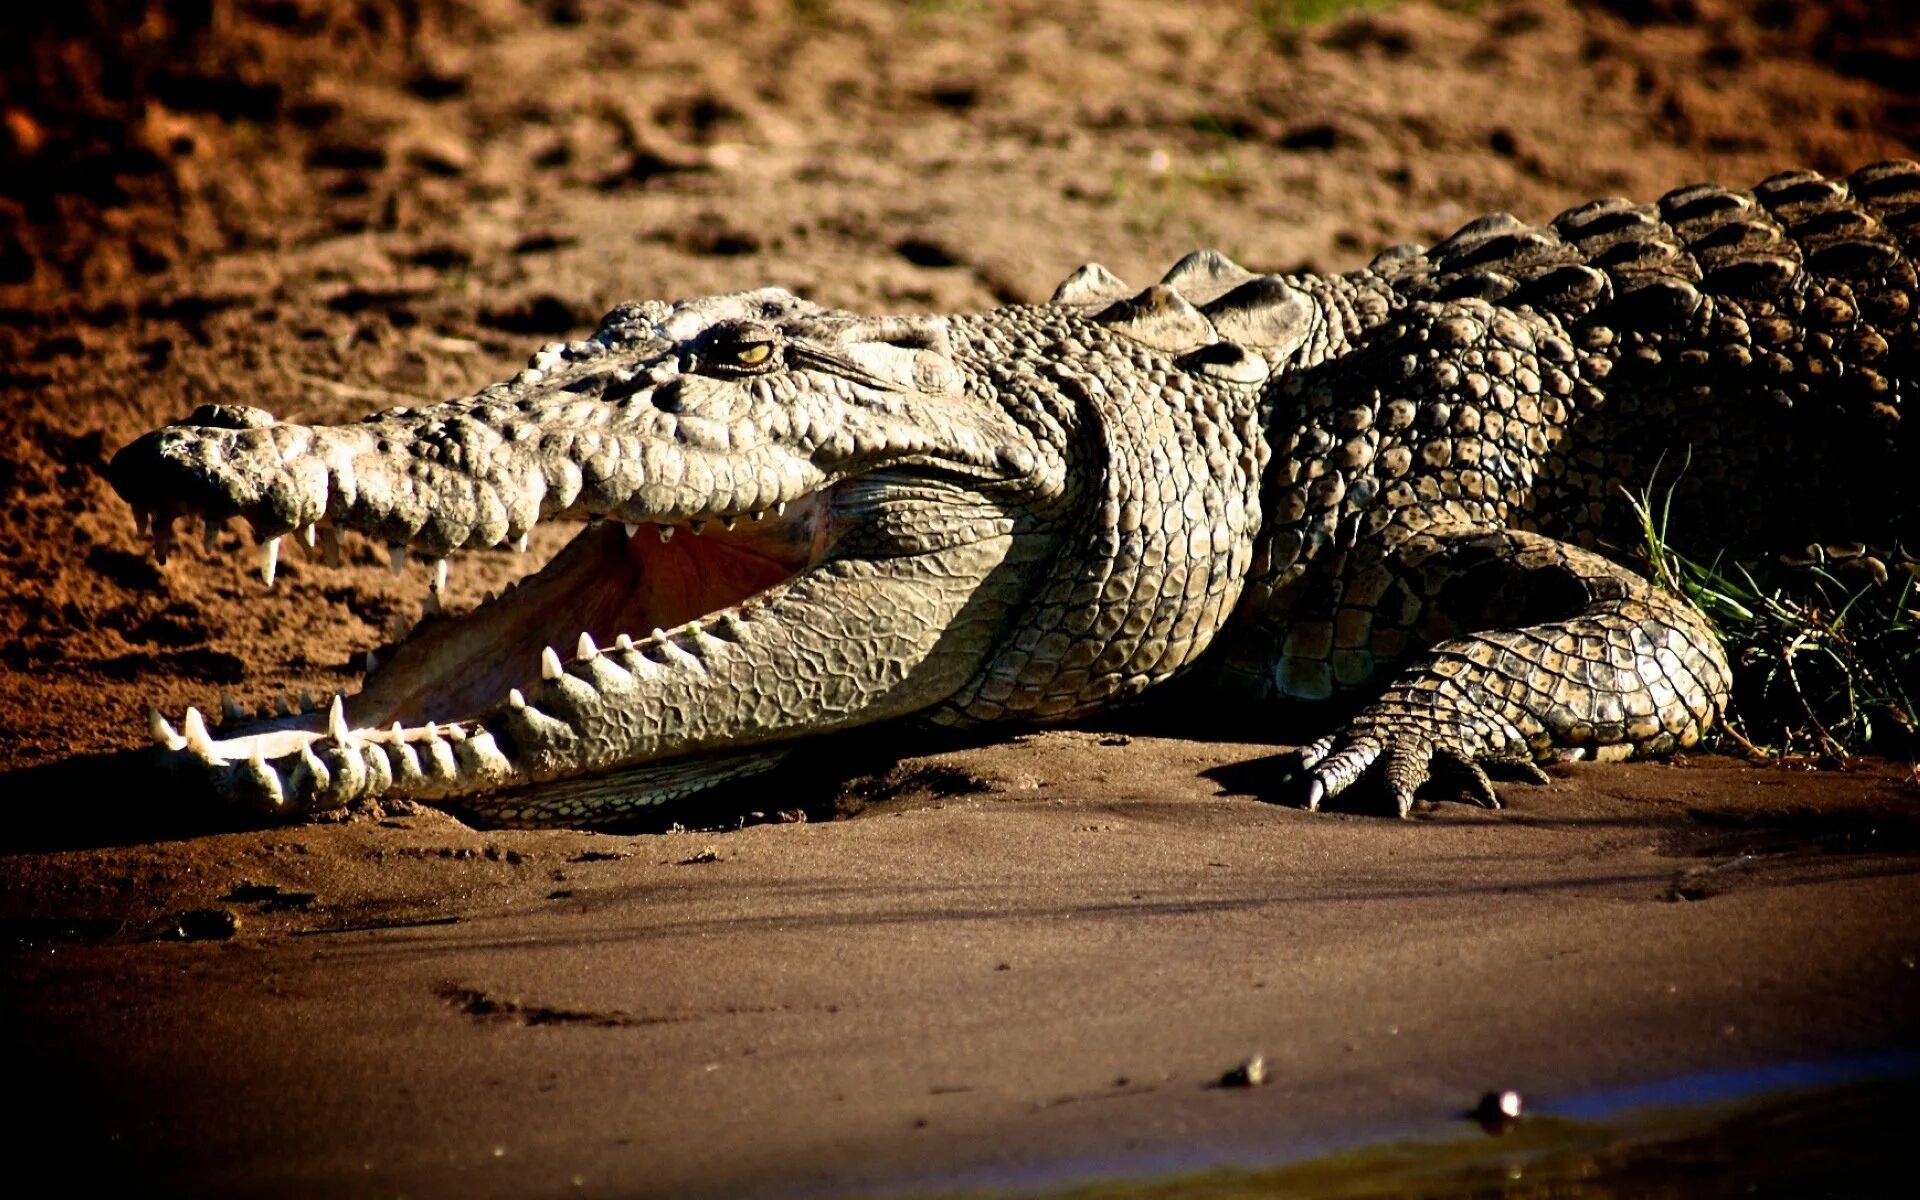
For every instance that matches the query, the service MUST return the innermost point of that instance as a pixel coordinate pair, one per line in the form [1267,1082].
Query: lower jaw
[615,798]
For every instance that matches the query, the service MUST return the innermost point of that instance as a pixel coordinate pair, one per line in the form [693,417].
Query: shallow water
[1838,1128]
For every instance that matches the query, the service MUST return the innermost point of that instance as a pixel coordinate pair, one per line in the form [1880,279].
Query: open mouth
[776,541]
[629,587]
[620,597]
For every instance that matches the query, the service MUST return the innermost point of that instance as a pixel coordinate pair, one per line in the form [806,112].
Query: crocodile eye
[739,346]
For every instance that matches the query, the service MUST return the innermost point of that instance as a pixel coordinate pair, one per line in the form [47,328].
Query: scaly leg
[1591,659]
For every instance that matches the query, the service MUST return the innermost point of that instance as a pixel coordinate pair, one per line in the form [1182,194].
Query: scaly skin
[1397,486]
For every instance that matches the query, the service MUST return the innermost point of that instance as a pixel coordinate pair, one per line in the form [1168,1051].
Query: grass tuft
[1824,667]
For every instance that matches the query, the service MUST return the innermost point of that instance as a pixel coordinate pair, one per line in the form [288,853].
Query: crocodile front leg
[1537,650]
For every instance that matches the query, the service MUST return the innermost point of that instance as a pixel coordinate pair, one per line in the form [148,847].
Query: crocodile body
[1405,487]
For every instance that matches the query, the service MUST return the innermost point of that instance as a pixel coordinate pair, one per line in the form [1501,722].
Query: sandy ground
[1031,956]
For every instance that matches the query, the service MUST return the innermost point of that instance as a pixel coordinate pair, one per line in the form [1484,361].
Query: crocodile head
[793,522]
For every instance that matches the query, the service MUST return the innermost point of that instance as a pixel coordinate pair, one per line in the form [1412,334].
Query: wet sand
[1031,981]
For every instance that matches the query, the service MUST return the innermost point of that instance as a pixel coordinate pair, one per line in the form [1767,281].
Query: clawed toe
[1405,761]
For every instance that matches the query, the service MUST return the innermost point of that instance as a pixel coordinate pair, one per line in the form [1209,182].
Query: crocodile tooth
[586,651]
[397,557]
[314,767]
[371,662]
[397,732]
[310,535]
[516,698]
[142,520]
[439,582]
[630,527]
[230,709]
[198,740]
[330,545]
[758,514]
[658,634]
[307,702]
[698,527]
[666,533]
[337,720]
[209,534]
[431,606]
[549,664]
[728,522]
[163,733]
[269,560]
[623,642]
[268,778]
[520,544]
[162,539]
[282,707]
[780,507]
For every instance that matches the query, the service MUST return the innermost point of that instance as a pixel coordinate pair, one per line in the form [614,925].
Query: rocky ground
[325,209]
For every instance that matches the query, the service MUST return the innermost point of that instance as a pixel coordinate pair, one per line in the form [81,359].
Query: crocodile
[1402,494]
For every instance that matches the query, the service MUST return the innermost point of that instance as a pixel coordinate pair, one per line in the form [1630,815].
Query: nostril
[230,416]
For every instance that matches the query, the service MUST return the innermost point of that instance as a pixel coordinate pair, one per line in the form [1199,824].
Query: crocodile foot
[1405,749]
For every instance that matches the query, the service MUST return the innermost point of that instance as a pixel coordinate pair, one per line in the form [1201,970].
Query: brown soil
[1026,954]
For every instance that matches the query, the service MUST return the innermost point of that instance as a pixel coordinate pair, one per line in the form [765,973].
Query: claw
[1316,793]
[1479,787]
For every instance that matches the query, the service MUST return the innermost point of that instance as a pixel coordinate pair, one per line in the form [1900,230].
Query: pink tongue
[601,583]
[697,574]
[456,667]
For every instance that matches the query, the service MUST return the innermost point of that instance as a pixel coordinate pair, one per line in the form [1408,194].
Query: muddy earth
[1023,963]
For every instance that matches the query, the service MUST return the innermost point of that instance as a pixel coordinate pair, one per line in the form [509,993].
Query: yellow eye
[754,355]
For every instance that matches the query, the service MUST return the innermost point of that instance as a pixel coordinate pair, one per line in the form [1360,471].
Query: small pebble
[1249,1074]
[1498,1111]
